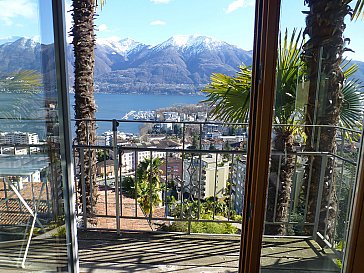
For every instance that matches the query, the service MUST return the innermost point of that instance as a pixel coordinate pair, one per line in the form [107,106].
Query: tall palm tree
[229,101]
[85,107]
[323,54]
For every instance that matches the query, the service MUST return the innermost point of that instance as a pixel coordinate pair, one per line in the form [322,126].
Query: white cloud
[103,27]
[160,1]
[158,23]
[10,10]
[239,4]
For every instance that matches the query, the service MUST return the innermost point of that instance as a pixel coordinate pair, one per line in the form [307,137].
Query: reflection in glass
[314,156]
[32,232]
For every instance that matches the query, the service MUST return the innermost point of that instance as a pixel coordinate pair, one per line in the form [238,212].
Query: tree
[229,99]
[323,55]
[148,186]
[229,96]
[85,107]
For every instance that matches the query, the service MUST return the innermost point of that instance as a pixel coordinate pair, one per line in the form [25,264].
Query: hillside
[182,64]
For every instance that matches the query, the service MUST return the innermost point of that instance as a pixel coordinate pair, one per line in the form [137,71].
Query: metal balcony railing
[210,171]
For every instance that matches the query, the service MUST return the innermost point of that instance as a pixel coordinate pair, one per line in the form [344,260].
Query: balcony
[125,236]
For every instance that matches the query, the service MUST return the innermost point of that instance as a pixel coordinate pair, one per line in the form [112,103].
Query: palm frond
[351,112]
[348,68]
[358,10]
[229,97]
[289,73]
[101,2]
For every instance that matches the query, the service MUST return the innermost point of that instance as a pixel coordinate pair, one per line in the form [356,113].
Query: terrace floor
[161,252]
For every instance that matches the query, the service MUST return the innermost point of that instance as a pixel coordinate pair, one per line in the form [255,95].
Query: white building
[130,158]
[18,138]
[212,180]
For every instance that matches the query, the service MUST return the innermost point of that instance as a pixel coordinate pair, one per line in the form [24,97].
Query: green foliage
[228,97]
[128,186]
[203,227]
[102,155]
[289,74]
[148,186]
[351,113]
[61,232]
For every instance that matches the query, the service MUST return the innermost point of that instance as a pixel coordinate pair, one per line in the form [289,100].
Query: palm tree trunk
[323,55]
[280,183]
[84,43]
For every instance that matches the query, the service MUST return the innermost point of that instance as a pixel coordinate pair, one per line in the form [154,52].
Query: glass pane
[32,232]
[169,164]
[315,143]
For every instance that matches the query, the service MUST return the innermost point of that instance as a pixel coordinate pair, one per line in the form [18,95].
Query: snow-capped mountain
[181,64]
[122,47]
[185,42]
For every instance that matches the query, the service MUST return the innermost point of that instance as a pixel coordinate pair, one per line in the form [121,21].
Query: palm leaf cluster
[229,96]
[148,187]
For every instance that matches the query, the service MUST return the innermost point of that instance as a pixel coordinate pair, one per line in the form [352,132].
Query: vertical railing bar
[83,186]
[330,194]
[6,195]
[342,142]
[318,82]
[215,198]
[293,191]
[199,174]
[318,139]
[32,187]
[150,187]
[351,189]
[136,182]
[319,195]
[75,178]
[20,204]
[115,125]
[199,185]
[277,188]
[339,194]
[183,163]
[91,180]
[47,198]
[231,186]
[120,153]
[308,187]
[105,183]
[166,212]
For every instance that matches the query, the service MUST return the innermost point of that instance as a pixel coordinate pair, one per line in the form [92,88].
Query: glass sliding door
[32,214]
[315,143]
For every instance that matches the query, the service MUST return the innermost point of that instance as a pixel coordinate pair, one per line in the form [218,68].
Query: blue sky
[154,21]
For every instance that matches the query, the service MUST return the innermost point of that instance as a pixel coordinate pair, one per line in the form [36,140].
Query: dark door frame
[267,13]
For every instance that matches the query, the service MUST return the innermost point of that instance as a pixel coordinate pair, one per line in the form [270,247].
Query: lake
[115,106]
[16,109]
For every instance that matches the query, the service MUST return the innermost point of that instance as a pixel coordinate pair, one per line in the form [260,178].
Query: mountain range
[182,64]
